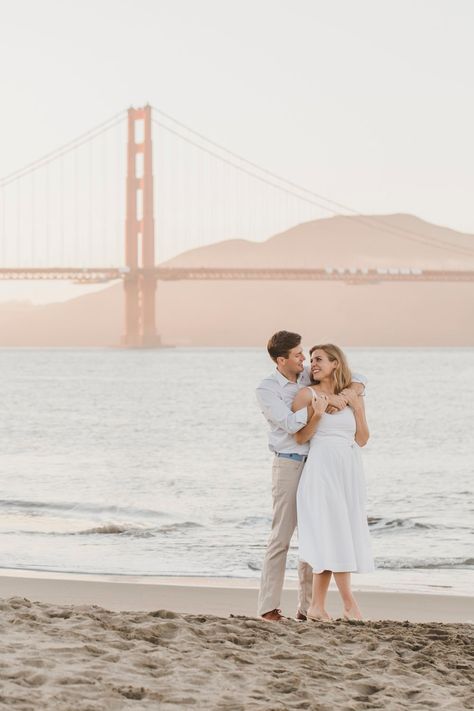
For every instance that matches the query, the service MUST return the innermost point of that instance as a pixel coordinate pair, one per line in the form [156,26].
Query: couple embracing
[317,424]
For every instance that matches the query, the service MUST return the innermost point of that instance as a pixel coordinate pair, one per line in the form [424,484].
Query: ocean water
[156,463]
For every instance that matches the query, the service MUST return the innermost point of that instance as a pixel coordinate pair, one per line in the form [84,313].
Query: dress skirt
[333,531]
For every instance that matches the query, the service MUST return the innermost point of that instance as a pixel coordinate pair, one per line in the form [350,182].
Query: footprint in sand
[36,662]
[367,689]
[61,614]
[131,692]
[165,615]
[16,602]
[33,680]
[96,651]
[76,680]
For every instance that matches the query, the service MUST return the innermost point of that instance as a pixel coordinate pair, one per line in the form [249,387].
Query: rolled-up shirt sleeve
[358,378]
[275,410]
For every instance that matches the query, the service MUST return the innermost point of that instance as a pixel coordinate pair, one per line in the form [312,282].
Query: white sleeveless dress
[333,532]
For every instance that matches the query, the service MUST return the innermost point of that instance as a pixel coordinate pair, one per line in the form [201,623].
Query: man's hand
[353,400]
[336,403]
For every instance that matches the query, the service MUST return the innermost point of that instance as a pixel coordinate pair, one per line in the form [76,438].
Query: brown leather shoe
[300,616]
[272,616]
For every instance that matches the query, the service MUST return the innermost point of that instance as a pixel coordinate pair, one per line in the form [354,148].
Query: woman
[333,532]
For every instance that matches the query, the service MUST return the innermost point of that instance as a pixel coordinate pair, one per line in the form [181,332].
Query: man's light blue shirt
[275,395]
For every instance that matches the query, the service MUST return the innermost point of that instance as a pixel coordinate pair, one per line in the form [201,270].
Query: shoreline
[218,596]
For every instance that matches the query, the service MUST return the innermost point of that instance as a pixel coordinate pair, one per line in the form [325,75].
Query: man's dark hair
[281,343]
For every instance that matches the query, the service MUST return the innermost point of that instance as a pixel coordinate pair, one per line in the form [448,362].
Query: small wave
[253,566]
[116,529]
[106,528]
[397,564]
[77,507]
[125,529]
[433,563]
[387,524]
[254,521]
[111,529]
[173,527]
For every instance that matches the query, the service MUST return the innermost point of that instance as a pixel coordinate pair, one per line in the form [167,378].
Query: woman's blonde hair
[341,374]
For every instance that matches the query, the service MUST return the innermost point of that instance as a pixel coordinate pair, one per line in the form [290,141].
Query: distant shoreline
[226,347]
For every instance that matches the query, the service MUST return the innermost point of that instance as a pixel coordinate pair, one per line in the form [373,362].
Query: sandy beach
[68,644]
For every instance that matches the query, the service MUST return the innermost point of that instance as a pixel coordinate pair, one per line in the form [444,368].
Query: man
[275,395]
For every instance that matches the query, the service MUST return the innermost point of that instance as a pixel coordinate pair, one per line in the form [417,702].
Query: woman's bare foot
[318,614]
[353,612]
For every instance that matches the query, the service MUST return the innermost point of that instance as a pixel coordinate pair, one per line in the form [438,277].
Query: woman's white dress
[333,532]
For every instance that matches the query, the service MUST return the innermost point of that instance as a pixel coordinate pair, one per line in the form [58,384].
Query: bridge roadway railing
[91,275]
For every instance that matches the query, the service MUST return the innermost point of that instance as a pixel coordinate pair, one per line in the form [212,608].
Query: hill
[232,313]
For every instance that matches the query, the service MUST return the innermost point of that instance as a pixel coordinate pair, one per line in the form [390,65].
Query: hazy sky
[368,102]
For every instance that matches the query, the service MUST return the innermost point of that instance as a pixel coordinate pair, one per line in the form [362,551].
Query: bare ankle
[351,607]
[349,603]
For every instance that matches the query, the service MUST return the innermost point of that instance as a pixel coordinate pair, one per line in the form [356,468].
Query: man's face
[295,361]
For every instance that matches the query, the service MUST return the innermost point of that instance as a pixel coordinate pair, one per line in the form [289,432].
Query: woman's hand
[319,404]
[316,404]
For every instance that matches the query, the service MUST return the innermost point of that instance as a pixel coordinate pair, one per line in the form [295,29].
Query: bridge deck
[91,275]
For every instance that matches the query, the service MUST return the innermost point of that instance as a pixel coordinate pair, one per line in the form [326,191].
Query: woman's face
[321,366]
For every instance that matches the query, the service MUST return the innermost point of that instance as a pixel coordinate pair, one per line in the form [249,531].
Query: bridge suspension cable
[64,149]
[321,201]
[67,207]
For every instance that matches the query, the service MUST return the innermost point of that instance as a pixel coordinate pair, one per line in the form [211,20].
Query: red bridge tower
[140,281]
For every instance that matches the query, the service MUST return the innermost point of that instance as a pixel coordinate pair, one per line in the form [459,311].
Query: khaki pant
[285,477]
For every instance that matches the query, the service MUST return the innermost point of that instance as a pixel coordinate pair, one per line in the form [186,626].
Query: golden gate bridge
[72,216]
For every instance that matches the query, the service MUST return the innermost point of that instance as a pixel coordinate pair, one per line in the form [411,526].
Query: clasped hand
[336,403]
[319,403]
[351,397]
